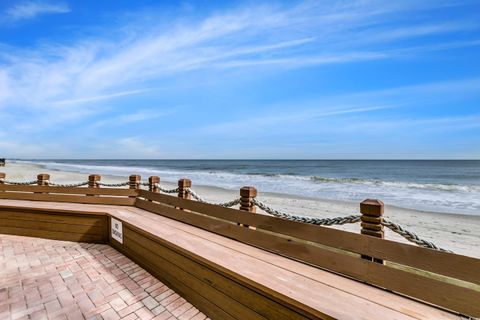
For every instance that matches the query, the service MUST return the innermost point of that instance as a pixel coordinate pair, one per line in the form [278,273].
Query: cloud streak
[31,9]
[100,69]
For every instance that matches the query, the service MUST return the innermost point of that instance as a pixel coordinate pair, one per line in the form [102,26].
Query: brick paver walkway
[49,279]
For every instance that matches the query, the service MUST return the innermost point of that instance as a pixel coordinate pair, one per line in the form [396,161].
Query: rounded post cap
[248,192]
[373,207]
[94,177]
[2,175]
[185,183]
[154,179]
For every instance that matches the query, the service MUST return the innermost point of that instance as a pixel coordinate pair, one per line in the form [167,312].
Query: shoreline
[457,232]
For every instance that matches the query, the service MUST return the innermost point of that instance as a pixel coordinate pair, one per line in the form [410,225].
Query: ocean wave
[442,197]
[399,184]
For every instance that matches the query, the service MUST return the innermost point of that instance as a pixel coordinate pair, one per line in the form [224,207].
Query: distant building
[2,162]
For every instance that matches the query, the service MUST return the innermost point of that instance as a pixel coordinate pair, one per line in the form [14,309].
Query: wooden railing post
[153,182]
[93,179]
[246,196]
[92,182]
[372,218]
[134,181]
[183,186]
[43,179]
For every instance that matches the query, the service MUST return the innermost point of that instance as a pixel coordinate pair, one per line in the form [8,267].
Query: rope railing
[26,183]
[410,236]
[251,202]
[72,185]
[168,190]
[311,220]
[228,204]
[114,185]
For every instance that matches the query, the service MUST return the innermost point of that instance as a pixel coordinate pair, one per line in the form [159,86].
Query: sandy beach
[456,232]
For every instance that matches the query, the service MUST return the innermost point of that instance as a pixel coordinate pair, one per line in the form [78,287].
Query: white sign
[117,230]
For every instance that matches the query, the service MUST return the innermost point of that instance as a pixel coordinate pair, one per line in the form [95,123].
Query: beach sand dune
[456,232]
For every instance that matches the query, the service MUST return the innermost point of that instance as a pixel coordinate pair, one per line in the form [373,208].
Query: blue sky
[307,79]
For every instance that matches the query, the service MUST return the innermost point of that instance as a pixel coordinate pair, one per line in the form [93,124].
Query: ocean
[451,186]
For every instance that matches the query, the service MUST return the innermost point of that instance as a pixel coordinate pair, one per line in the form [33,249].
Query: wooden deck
[222,277]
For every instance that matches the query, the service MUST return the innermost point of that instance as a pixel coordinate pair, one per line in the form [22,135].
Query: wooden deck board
[322,292]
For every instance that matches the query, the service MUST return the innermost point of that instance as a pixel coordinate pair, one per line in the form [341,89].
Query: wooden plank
[56,217]
[188,276]
[372,294]
[67,198]
[70,190]
[433,291]
[276,283]
[49,226]
[55,235]
[250,299]
[179,281]
[444,263]
[53,208]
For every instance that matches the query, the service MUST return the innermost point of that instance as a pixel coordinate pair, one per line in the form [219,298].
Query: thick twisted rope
[147,184]
[121,184]
[167,190]
[311,220]
[26,183]
[410,236]
[73,185]
[228,204]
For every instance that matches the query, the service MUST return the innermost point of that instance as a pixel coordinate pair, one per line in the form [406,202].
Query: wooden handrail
[406,254]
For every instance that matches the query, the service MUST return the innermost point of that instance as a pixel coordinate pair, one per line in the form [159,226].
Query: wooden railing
[444,279]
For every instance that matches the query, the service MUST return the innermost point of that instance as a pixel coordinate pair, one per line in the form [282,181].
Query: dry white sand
[459,233]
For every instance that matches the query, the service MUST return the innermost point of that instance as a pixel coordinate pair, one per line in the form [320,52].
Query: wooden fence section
[458,266]
[337,251]
[56,225]
[112,196]
[444,279]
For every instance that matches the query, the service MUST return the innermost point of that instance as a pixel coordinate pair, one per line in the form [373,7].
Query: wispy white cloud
[98,69]
[327,113]
[31,9]
[278,119]
[100,97]
[139,116]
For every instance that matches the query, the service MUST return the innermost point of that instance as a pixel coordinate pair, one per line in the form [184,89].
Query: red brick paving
[49,279]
